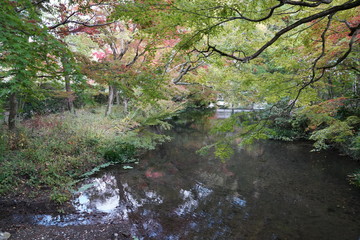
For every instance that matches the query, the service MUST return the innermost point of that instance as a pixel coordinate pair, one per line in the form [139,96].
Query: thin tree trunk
[330,88]
[110,100]
[70,97]
[356,85]
[117,96]
[126,103]
[13,103]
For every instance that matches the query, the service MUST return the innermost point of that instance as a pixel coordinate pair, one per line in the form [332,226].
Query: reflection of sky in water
[112,201]
[191,202]
[103,195]
[236,201]
[134,204]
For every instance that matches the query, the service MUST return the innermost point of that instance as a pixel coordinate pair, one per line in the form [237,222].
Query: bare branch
[307,4]
[185,68]
[34,3]
[65,21]
[137,54]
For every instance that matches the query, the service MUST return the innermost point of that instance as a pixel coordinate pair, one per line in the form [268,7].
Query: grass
[46,154]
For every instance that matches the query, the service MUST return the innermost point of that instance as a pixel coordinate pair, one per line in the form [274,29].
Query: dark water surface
[269,190]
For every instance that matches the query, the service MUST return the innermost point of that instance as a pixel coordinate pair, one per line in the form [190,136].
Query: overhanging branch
[333,10]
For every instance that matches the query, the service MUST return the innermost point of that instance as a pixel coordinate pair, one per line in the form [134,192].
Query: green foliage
[120,153]
[243,128]
[51,152]
[226,125]
[326,127]
[30,59]
[223,151]
[93,171]
[26,42]
[337,132]
[59,196]
[354,178]
[200,96]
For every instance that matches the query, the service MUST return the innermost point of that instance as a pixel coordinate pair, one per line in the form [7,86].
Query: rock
[4,235]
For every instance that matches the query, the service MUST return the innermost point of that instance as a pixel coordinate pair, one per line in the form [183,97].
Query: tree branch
[335,9]
[185,68]
[313,69]
[137,54]
[346,54]
[307,4]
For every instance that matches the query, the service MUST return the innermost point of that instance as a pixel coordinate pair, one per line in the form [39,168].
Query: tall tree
[27,51]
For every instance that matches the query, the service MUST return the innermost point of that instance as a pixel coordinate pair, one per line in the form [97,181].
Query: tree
[75,17]
[118,49]
[284,22]
[27,50]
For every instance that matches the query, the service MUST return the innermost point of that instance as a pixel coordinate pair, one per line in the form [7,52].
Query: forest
[83,82]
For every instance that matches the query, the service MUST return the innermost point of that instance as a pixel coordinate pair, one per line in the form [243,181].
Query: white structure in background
[223,105]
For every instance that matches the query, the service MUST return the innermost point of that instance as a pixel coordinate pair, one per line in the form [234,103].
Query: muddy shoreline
[24,230]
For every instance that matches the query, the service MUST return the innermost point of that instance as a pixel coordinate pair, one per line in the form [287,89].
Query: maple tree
[32,46]
[245,31]
[282,53]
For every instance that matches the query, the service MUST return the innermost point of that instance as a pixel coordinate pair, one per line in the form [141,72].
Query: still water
[269,190]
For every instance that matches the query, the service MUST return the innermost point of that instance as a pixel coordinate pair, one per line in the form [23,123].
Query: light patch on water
[238,202]
[60,220]
[191,200]
[101,195]
[202,191]
[109,205]
[189,205]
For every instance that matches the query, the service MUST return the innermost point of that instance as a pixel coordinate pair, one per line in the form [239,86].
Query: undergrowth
[47,154]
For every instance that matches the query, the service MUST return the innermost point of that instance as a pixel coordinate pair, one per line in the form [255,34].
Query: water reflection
[102,194]
[192,199]
[226,113]
[269,190]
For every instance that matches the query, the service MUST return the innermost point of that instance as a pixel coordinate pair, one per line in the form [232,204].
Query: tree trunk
[330,88]
[117,96]
[110,100]
[126,101]
[356,85]
[13,103]
[70,97]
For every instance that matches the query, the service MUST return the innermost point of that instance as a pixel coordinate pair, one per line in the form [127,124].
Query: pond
[268,190]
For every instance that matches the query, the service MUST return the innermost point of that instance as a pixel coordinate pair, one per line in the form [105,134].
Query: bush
[120,153]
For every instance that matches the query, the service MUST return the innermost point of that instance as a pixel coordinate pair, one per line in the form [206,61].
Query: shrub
[120,153]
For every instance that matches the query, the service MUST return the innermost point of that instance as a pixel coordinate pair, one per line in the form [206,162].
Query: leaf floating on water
[96,169]
[85,187]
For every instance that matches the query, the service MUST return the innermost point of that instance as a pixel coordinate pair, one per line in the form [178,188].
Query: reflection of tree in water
[176,194]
